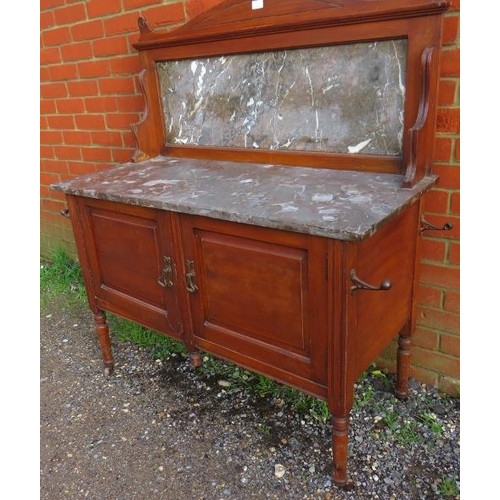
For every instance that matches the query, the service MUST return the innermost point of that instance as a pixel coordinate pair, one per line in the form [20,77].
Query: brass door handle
[166,277]
[190,276]
[361,285]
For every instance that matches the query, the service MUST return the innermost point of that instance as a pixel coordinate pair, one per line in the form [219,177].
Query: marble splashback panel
[343,99]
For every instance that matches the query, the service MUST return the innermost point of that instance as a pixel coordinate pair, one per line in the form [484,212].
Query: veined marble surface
[344,99]
[337,204]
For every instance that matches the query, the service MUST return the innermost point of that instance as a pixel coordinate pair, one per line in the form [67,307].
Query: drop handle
[65,213]
[361,285]
[166,277]
[191,286]
[427,226]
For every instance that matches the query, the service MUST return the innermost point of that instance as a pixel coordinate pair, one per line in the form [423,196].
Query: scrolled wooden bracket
[137,128]
[427,226]
[144,29]
[362,285]
[415,132]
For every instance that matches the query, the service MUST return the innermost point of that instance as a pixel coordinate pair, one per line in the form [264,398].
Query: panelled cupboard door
[258,297]
[130,253]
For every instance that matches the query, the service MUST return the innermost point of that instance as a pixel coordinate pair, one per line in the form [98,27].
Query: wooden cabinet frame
[325,297]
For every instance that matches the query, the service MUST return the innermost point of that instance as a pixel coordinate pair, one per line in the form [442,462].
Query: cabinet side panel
[380,315]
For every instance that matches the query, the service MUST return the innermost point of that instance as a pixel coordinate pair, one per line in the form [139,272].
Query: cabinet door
[259,298]
[130,255]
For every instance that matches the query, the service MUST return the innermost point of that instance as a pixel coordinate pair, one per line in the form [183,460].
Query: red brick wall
[90,96]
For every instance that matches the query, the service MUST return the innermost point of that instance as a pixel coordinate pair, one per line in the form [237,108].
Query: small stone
[279,471]
[224,383]
[328,495]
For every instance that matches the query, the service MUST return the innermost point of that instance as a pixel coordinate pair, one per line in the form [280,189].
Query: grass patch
[61,276]
[448,487]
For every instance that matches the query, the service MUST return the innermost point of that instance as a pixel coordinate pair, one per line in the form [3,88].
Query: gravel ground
[158,429]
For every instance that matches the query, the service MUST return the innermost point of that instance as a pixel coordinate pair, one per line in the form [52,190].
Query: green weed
[61,276]
[448,487]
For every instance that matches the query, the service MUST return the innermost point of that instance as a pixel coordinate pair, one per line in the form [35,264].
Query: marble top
[340,204]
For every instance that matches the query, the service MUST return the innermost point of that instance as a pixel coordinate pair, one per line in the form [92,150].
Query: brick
[100,104]
[81,167]
[126,65]
[52,205]
[135,4]
[57,36]
[166,14]
[63,72]
[196,7]
[452,301]
[81,88]
[114,85]
[449,176]
[50,137]
[53,90]
[76,51]
[454,5]
[50,4]
[130,103]
[90,122]
[450,344]
[110,46]
[432,250]
[98,8]
[106,138]
[455,203]
[87,31]
[71,14]
[50,55]
[93,69]
[70,105]
[62,122]
[425,338]
[120,24]
[442,149]
[447,92]
[436,362]
[96,154]
[121,121]
[425,376]
[448,120]
[54,166]
[438,319]
[47,106]
[454,254]
[429,296]
[48,178]
[44,74]
[44,124]
[450,29]
[67,152]
[436,201]
[449,385]
[436,275]
[76,137]
[457,149]
[46,151]
[450,62]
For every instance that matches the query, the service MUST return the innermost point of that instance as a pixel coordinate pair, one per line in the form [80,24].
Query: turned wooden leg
[104,340]
[403,363]
[195,359]
[340,428]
